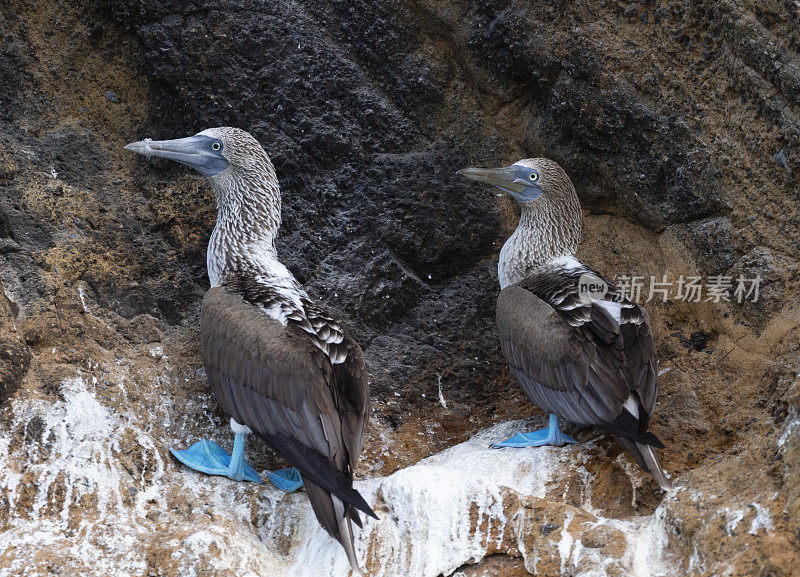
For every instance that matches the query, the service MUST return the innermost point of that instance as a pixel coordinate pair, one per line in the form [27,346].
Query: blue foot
[552,435]
[208,457]
[288,480]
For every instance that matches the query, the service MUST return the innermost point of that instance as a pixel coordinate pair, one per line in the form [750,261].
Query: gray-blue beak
[514,180]
[200,152]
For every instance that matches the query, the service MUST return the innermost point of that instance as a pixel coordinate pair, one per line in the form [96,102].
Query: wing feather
[574,358]
[278,381]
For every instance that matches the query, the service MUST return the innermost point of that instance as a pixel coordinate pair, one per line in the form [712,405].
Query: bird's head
[210,152]
[526,180]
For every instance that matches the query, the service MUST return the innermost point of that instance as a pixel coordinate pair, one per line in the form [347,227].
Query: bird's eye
[534,177]
[216,146]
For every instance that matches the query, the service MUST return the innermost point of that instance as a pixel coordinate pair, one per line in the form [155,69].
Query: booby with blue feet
[277,363]
[578,347]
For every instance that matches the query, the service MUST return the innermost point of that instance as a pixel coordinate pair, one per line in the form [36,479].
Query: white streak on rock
[451,509]
[82,296]
[762,520]
[732,519]
[565,544]
[789,430]
[441,396]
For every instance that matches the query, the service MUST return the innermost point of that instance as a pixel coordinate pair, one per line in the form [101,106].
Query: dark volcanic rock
[74,158]
[14,354]
[714,244]
[12,61]
[660,175]
[435,226]
[367,112]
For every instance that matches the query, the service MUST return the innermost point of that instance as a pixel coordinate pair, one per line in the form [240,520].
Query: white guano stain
[79,515]
[732,519]
[762,520]
[446,511]
[425,528]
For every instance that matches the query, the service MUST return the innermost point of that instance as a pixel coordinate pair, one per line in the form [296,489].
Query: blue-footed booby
[580,349]
[277,363]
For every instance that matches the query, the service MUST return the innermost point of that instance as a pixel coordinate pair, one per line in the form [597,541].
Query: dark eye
[216,146]
[534,177]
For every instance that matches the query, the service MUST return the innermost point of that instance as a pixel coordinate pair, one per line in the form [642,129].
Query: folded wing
[591,362]
[277,380]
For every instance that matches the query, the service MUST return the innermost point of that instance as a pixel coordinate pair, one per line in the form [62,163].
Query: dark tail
[336,517]
[647,458]
[319,469]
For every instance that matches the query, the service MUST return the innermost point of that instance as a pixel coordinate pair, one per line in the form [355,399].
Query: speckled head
[550,220]
[246,188]
[210,152]
[239,148]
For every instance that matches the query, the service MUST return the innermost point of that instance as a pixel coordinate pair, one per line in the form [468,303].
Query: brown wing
[352,386]
[574,359]
[275,380]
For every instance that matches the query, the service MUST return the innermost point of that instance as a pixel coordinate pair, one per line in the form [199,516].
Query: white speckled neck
[547,231]
[248,219]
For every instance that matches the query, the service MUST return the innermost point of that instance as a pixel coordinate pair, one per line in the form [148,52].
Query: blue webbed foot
[552,435]
[208,457]
[288,480]
[537,439]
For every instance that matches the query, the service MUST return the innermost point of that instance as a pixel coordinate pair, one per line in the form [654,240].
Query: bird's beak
[514,180]
[504,178]
[194,151]
[510,179]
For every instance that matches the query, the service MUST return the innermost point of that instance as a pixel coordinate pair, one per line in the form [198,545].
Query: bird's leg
[236,467]
[208,457]
[288,480]
[552,435]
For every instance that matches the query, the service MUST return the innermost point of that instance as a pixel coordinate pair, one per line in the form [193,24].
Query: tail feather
[346,534]
[352,514]
[319,469]
[336,518]
[647,458]
[628,427]
[654,465]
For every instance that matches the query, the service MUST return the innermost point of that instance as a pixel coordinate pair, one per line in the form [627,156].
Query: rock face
[678,124]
